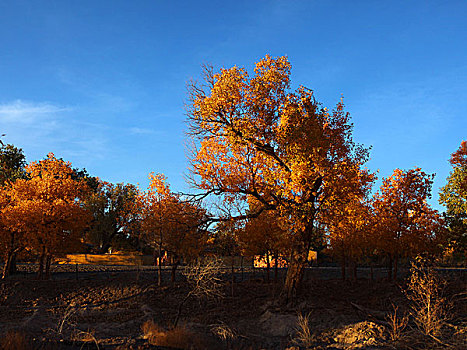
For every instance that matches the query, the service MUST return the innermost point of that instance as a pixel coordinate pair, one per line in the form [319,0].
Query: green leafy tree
[12,163]
[454,196]
[112,211]
[12,167]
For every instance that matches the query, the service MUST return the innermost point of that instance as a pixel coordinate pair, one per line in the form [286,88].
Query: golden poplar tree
[406,225]
[47,209]
[169,224]
[255,138]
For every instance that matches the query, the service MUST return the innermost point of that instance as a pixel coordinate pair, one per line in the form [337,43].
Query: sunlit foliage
[254,138]
[406,225]
[45,210]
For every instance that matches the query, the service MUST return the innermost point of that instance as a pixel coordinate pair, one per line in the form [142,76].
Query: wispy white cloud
[24,112]
[42,127]
[141,131]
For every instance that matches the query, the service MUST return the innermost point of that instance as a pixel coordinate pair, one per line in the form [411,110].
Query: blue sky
[103,83]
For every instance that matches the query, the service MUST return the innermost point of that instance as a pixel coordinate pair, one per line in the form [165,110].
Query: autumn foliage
[406,225]
[287,168]
[44,213]
[254,138]
[170,224]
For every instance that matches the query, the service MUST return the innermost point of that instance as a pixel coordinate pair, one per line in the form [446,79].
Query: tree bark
[104,249]
[295,271]
[7,264]
[9,267]
[13,268]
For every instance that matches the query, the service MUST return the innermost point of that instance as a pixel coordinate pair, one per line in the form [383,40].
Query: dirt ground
[106,310]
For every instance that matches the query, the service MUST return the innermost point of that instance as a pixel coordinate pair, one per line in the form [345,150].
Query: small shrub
[15,340]
[425,292]
[205,279]
[397,324]
[178,337]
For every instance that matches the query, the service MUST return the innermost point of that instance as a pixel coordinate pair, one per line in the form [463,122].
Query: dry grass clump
[178,337]
[304,335]
[15,340]
[223,332]
[86,337]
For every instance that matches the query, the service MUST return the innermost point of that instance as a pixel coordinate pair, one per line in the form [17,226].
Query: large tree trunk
[295,271]
[13,268]
[107,241]
[10,259]
[7,264]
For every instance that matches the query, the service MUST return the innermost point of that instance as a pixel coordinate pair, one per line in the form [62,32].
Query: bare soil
[106,310]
